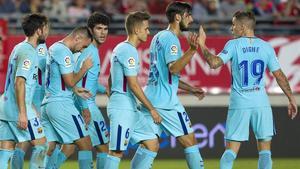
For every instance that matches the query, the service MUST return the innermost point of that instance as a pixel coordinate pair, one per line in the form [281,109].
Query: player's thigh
[121,128]
[97,128]
[7,138]
[156,128]
[262,123]
[66,121]
[144,133]
[176,122]
[49,130]
[237,124]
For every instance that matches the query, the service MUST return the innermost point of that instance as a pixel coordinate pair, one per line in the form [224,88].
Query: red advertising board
[197,72]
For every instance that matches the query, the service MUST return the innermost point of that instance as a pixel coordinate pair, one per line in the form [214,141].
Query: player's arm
[198,92]
[101,89]
[176,66]
[71,79]
[138,92]
[213,61]
[285,86]
[20,96]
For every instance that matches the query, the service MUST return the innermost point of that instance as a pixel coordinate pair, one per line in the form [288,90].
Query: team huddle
[49,99]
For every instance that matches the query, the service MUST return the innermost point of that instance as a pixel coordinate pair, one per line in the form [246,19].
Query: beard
[41,40]
[182,27]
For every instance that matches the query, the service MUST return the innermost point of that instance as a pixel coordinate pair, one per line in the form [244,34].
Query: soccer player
[62,121]
[166,62]
[126,122]
[249,104]
[17,160]
[19,119]
[98,24]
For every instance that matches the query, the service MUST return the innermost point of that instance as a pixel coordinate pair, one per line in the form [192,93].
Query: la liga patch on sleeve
[131,62]
[174,50]
[67,61]
[26,64]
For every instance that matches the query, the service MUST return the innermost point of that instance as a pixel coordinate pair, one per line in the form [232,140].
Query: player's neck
[95,43]
[67,41]
[249,33]
[133,40]
[32,40]
[174,28]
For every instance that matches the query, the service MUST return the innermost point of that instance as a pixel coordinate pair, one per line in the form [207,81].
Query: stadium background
[278,22]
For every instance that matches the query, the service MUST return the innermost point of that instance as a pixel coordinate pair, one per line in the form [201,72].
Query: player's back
[22,62]
[90,79]
[162,86]
[124,62]
[59,62]
[250,58]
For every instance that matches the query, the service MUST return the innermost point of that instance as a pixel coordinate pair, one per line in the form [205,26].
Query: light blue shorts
[9,131]
[62,122]
[239,120]
[175,122]
[97,128]
[128,125]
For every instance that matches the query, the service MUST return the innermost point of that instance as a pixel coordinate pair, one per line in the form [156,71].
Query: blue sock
[143,158]
[5,155]
[61,158]
[38,156]
[17,160]
[50,161]
[112,162]
[85,159]
[227,159]
[193,157]
[100,161]
[265,160]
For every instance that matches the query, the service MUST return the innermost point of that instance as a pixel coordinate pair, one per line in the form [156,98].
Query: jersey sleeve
[172,50]
[130,63]
[65,62]
[228,52]
[24,65]
[273,63]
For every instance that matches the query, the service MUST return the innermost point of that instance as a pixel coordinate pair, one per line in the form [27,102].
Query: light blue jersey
[162,86]
[40,87]
[23,62]
[124,62]
[249,59]
[90,79]
[59,62]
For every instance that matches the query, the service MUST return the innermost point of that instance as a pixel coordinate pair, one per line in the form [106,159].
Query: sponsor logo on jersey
[26,64]
[174,50]
[131,62]
[68,61]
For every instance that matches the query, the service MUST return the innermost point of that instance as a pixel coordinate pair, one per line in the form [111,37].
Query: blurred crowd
[73,10]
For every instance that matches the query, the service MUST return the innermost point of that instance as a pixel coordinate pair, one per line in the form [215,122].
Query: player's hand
[198,92]
[156,117]
[22,121]
[86,114]
[292,109]
[88,63]
[202,36]
[193,40]
[82,92]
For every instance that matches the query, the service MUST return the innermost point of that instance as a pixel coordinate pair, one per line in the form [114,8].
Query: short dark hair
[97,18]
[83,30]
[133,19]
[246,17]
[177,8]
[32,22]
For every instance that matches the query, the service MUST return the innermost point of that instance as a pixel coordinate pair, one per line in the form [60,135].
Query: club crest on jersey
[174,50]
[67,61]
[41,51]
[131,62]
[26,64]
[40,130]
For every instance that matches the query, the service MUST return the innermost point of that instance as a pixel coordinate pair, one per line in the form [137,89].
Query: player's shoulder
[166,36]
[125,47]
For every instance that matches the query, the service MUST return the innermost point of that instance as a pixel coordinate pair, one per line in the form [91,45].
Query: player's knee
[116,153]
[187,140]
[152,145]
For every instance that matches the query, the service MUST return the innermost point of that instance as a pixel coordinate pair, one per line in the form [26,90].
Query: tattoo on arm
[283,82]
[213,60]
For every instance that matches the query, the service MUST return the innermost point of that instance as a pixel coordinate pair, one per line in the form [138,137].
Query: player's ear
[177,18]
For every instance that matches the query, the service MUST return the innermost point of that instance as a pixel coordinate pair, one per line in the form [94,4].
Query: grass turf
[278,163]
